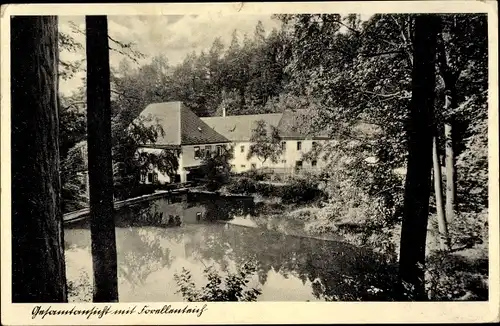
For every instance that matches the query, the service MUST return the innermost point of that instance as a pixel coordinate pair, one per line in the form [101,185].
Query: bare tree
[38,270]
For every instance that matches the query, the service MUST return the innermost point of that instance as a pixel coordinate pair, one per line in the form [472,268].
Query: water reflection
[290,268]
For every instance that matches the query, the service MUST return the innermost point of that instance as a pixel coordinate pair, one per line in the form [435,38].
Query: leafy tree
[130,162]
[265,145]
[216,168]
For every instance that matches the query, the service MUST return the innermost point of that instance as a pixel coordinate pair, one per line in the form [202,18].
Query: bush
[233,287]
[301,190]
[268,190]
[242,186]
[453,277]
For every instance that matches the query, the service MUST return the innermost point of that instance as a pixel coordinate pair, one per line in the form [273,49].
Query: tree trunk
[102,225]
[420,132]
[450,172]
[38,268]
[444,240]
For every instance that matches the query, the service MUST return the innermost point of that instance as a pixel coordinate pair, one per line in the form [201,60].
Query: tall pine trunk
[38,268]
[444,240]
[102,225]
[418,177]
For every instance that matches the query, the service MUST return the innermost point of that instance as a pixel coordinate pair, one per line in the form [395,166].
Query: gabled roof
[180,125]
[239,127]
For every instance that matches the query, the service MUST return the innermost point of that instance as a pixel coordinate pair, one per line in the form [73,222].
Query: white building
[295,135]
[184,133]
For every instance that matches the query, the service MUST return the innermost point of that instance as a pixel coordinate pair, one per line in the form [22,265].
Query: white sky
[173,35]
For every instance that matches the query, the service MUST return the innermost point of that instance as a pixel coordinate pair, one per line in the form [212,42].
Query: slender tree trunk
[450,173]
[102,225]
[443,227]
[418,177]
[38,269]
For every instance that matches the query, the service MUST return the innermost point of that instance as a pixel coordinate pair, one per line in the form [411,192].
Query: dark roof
[239,127]
[180,125]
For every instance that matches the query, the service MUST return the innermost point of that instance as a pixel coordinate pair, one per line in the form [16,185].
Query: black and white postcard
[265,163]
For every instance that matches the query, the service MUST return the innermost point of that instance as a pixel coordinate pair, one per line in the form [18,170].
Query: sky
[171,35]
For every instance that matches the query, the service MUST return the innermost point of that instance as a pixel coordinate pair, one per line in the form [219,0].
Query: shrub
[301,190]
[268,190]
[233,287]
[454,277]
[242,186]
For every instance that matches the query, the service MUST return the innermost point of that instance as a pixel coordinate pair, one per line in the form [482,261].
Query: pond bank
[81,214]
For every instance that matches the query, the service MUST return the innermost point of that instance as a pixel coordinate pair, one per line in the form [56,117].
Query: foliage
[242,186]
[232,287]
[80,289]
[73,179]
[455,277]
[265,145]
[216,169]
[301,190]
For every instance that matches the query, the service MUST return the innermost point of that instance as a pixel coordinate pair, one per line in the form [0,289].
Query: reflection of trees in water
[221,208]
[144,250]
[338,271]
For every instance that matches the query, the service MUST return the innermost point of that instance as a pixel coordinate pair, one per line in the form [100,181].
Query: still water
[150,252]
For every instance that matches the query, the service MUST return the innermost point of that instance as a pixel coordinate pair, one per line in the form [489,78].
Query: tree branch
[405,42]
[126,96]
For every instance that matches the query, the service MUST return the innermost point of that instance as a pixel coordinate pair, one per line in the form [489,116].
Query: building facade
[183,133]
[193,138]
[296,141]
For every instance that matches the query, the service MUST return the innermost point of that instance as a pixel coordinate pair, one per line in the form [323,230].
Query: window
[283,146]
[243,166]
[143,177]
[198,216]
[233,166]
[254,166]
[208,149]
[283,161]
[314,163]
[299,145]
[196,152]
[150,177]
[242,149]
[219,150]
[155,177]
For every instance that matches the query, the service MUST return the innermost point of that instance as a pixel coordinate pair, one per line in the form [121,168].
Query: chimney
[224,111]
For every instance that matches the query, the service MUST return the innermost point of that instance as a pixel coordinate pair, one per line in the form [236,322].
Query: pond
[150,251]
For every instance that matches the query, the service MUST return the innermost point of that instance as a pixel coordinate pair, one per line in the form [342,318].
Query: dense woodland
[346,71]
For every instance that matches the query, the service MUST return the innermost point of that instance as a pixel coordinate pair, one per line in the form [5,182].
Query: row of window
[298,164]
[208,151]
[283,146]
